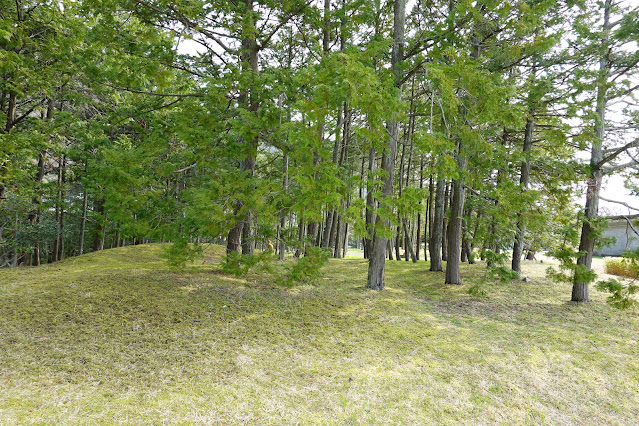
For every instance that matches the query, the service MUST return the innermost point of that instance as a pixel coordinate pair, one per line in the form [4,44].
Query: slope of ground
[116,337]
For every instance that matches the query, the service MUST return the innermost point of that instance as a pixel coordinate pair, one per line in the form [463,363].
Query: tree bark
[83,221]
[455,224]
[518,246]
[282,244]
[447,196]
[98,235]
[370,203]
[580,291]
[249,57]
[377,261]
[436,237]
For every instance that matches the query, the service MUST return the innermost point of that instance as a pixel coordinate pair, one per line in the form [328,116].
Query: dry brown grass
[621,267]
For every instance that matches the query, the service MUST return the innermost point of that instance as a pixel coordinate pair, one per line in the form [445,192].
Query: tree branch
[614,154]
[630,225]
[283,22]
[144,92]
[619,202]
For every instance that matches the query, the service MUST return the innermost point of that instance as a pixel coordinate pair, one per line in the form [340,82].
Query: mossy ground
[116,337]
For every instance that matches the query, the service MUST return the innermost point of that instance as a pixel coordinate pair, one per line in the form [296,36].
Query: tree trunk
[409,246]
[435,244]
[249,56]
[580,291]
[455,224]
[235,234]
[282,244]
[83,221]
[370,203]
[445,223]
[62,209]
[377,261]
[98,235]
[518,246]
[419,211]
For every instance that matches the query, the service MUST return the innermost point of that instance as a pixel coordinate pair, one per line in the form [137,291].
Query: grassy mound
[116,337]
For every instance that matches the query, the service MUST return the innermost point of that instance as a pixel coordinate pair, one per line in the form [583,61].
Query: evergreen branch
[187,22]
[163,106]
[624,93]
[614,154]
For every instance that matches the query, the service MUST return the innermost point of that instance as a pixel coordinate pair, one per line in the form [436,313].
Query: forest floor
[117,337]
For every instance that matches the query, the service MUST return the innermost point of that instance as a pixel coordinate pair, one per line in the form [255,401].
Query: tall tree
[377,257]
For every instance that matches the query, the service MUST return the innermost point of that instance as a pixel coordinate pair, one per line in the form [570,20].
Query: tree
[611,81]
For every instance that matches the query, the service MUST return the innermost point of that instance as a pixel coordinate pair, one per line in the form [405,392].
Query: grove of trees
[443,129]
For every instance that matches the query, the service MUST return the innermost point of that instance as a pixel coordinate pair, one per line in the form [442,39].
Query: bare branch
[619,202]
[612,169]
[630,225]
[283,22]
[185,168]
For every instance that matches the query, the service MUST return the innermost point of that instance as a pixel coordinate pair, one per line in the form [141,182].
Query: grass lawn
[116,337]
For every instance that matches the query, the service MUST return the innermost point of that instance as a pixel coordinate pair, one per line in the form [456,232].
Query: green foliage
[307,268]
[622,293]
[569,271]
[180,252]
[496,266]
[239,265]
[478,290]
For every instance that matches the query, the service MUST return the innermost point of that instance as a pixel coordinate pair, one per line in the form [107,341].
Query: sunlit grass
[116,337]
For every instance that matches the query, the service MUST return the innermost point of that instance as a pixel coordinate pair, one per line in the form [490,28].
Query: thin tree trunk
[447,196]
[419,210]
[83,221]
[455,224]
[377,261]
[370,203]
[518,246]
[98,236]
[282,244]
[580,291]
[437,227]
[409,246]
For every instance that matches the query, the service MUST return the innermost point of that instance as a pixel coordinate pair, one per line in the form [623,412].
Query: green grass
[116,337]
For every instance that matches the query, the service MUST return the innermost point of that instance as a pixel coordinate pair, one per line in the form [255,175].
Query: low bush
[622,267]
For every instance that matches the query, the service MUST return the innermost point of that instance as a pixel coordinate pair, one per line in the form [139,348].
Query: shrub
[241,264]
[497,268]
[178,253]
[477,290]
[622,267]
[307,268]
[622,294]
